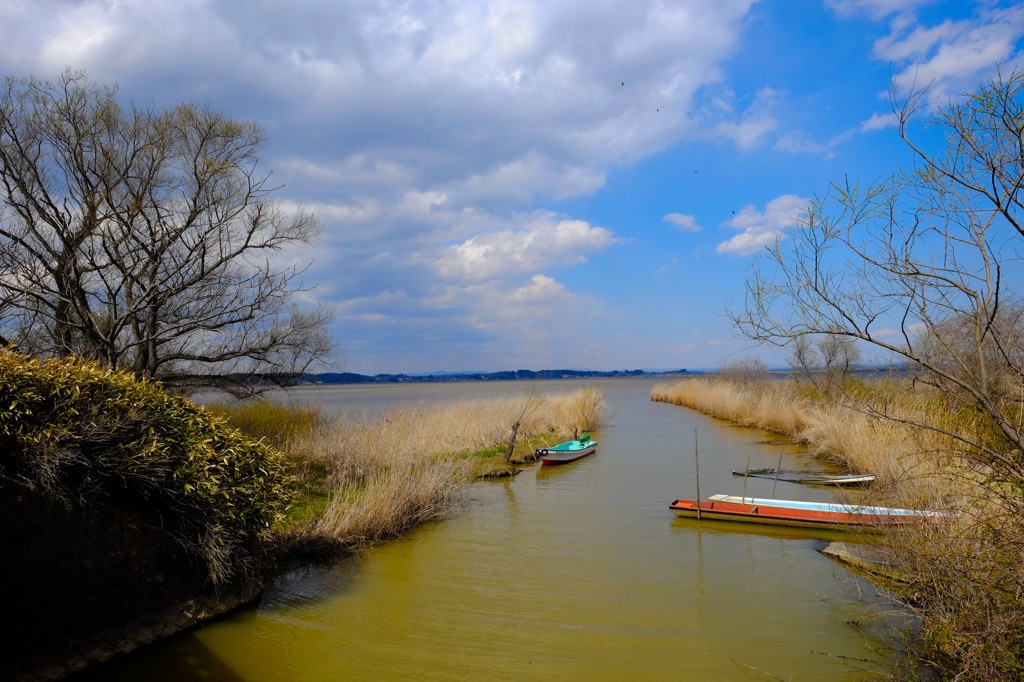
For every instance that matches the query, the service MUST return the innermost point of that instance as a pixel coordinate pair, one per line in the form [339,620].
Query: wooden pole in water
[777,472]
[696,457]
[745,475]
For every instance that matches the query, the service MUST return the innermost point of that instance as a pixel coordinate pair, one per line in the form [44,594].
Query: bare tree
[826,361]
[925,269]
[146,239]
[913,266]
[744,370]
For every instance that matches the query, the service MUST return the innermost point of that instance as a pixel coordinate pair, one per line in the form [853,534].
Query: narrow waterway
[577,572]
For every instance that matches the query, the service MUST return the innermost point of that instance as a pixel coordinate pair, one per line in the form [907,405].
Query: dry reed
[772,406]
[411,465]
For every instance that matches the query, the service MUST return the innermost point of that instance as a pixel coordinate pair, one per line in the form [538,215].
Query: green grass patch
[278,424]
[310,504]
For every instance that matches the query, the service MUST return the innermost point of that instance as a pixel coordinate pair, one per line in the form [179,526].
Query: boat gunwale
[825,506]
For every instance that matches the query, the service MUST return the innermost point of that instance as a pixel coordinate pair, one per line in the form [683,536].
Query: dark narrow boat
[808,477]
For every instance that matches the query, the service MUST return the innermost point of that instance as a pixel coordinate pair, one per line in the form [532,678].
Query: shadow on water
[188,657]
[310,583]
[193,661]
[557,471]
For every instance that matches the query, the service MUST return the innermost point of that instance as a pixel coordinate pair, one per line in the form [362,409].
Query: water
[577,572]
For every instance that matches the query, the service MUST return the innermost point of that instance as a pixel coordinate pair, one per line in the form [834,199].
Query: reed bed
[772,406]
[369,479]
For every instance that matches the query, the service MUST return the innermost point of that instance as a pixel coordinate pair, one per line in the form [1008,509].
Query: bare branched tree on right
[924,270]
[920,269]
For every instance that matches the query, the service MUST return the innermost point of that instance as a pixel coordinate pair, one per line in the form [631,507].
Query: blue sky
[536,184]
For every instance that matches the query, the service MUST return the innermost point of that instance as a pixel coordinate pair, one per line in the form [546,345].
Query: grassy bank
[128,513]
[964,576]
[911,465]
[79,433]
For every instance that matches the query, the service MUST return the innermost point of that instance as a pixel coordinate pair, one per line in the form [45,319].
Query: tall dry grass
[410,466]
[772,406]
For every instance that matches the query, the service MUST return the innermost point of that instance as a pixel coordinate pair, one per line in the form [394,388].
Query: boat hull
[786,516]
[808,478]
[563,453]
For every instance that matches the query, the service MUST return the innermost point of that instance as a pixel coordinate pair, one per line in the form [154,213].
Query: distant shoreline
[510,375]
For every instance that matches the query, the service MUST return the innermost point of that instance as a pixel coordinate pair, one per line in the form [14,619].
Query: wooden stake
[696,457]
[745,476]
[777,472]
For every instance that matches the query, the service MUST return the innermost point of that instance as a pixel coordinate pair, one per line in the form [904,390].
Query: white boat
[824,506]
[569,451]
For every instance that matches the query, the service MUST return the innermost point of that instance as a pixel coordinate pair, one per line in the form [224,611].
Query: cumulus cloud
[543,243]
[686,223]
[540,288]
[879,122]
[760,229]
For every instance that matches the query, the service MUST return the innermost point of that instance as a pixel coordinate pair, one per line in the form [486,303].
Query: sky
[536,184]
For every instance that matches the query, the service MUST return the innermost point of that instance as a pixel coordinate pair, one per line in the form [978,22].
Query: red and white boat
[762,511]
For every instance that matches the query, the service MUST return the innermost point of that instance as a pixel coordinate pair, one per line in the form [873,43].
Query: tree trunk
[511,444]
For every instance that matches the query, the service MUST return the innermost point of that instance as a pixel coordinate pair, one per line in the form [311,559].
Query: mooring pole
[777,472]
[745,474]
[696,457]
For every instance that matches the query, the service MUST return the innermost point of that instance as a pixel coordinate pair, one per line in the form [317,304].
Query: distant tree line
[509,375]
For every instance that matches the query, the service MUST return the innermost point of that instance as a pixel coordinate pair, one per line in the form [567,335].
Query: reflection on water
[572,572]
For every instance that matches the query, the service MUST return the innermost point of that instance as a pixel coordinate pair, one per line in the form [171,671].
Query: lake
[576,572]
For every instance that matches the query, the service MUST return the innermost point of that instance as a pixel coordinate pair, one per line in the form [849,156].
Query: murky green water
[563,573]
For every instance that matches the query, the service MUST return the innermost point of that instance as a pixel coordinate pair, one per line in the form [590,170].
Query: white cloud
[541,244]
[797,142]
[879,122]
[760,229]
[540,288]
[686,223]
[919,41]
[950,57]
[874,9]
[749,128]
